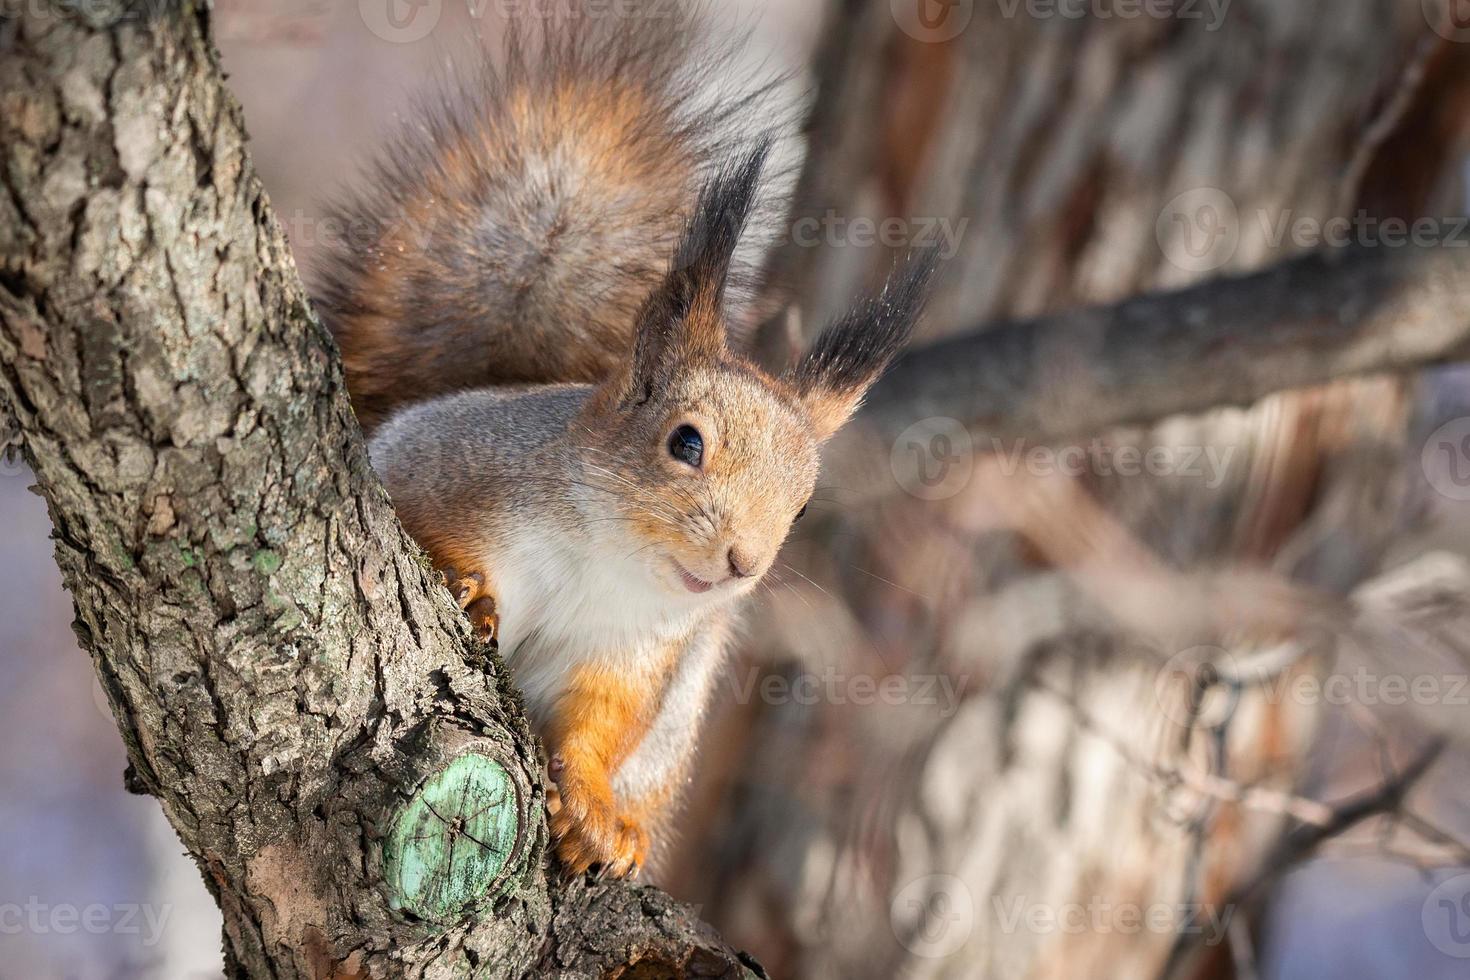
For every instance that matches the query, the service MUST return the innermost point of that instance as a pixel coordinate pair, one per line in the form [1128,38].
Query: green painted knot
[448,845]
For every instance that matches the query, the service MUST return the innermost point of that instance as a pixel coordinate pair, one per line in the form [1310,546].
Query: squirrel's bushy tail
[510,233]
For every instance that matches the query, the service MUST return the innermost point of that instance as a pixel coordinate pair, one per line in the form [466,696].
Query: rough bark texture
[282,664]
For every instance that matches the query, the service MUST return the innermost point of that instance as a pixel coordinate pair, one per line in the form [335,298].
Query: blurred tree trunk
[1076,161]
[349,769]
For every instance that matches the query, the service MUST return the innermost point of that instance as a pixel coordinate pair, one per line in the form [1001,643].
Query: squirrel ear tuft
[684,317]
[833,376]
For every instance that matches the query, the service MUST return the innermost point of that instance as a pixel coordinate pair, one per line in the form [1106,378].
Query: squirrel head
[706,459]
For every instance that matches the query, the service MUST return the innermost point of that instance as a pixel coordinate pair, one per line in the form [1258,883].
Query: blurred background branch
[1227,342]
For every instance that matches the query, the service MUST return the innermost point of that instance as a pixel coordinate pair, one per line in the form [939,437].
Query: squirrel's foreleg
[600,717]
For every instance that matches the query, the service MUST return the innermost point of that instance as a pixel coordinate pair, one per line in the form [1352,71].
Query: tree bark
[353,775]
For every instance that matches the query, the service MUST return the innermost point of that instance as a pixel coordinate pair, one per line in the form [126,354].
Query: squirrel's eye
[800,514]
[687,445]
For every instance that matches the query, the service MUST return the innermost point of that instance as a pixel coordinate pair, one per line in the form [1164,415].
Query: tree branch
[1330,315]
[353,775]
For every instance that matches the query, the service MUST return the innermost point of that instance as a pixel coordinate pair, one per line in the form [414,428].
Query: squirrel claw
[590,835]
[469,591]
[484,619]
[465,588]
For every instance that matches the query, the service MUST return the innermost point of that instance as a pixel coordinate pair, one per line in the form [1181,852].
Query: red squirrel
[536,337]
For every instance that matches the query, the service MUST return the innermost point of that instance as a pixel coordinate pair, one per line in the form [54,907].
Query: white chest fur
[566,600]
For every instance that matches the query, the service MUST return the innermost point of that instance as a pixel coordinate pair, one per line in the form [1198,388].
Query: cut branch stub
[450,845]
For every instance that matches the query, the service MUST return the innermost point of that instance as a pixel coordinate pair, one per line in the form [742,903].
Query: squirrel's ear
[683,317]
[833,376]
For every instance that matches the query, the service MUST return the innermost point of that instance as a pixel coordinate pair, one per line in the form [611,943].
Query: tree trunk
[353,775]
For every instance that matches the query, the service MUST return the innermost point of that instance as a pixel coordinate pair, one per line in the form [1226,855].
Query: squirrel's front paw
[476,601]
[589,831]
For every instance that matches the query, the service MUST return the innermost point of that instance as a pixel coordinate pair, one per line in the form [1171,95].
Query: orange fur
[388,366]
[597,722]
[830,409]
[581,155]
[705,325]
[455,553]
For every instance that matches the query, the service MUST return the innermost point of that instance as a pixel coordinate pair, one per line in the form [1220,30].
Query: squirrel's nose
[740,565]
